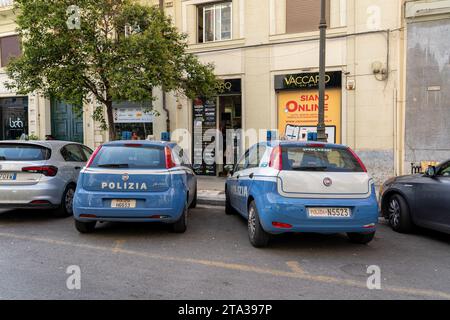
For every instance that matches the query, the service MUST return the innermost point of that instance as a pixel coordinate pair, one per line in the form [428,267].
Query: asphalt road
[212,260]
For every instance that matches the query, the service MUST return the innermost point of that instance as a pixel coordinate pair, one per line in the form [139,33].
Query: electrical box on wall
[351,84]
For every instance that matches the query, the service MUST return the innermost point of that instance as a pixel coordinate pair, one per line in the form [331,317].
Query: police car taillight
[357,159]
[276,159]
[91,159]
[169,159]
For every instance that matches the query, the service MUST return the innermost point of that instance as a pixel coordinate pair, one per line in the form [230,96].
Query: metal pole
[321,135]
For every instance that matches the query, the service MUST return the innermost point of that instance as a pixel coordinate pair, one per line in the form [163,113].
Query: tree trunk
[110,116]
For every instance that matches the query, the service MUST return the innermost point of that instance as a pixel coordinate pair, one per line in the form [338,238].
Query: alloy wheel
[252,221]
[394,212]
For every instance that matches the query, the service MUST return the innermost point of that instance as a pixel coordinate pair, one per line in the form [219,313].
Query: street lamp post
[321,135]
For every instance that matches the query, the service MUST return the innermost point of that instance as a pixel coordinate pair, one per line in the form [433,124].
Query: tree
[103,50]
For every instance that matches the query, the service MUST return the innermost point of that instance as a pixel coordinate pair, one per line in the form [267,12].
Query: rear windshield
[23,152]
[319,159]
[134,157]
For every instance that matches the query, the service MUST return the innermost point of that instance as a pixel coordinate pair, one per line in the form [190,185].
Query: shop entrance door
[67,124]
[230,125]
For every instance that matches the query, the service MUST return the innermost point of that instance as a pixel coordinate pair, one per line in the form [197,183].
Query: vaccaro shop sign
[307,81]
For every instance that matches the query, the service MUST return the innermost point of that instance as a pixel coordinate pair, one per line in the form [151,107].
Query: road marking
[295,267]
[241,267]
[118,245]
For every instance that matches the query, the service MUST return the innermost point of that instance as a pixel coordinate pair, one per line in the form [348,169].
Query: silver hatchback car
[40,174]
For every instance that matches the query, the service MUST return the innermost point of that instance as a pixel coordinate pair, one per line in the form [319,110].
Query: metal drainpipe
[164,98]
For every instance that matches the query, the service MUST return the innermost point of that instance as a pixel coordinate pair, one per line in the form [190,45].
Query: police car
[135,181]
[283,186]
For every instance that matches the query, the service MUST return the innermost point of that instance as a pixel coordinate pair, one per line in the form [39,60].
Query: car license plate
[123,203]
[329,212]
[7,176]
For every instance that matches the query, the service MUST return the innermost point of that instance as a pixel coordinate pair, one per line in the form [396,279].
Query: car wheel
[229,210]
[66,207]
[194,201]
[398,214]
[258,237]
[181,225]
[361,238]
[85,227]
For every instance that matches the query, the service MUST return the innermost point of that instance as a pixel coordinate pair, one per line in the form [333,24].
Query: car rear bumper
[150,207]
[294,212]
[23,196]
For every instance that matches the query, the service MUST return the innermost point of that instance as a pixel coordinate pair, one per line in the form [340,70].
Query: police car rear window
[320,159]
[23,152]
[133,157]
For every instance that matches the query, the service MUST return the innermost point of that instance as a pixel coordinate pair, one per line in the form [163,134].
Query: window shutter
[304,15]
[10,47]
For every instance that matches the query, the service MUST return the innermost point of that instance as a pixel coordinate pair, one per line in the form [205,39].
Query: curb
[211,198]
[211,202]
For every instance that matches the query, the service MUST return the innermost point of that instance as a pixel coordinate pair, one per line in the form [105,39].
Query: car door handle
[77,168]
[251,175]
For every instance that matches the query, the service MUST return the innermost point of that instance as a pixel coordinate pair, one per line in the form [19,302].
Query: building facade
[269,50]
[427,81]
[266,51]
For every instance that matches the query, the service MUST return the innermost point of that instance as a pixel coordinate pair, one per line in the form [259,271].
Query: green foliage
[33,137]
[97,60]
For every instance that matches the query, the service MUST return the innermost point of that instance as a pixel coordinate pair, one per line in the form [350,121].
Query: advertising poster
[298,106]
[132,115]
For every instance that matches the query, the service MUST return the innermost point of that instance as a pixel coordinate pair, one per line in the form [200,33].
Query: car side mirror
[229,168]
[431,171]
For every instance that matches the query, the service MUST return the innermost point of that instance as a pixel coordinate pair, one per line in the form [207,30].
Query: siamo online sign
[298,105]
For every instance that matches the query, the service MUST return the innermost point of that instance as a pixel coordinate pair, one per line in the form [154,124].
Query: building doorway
[67,122]
[13,117]
[221,115]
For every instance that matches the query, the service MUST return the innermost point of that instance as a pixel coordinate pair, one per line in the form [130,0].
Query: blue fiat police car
[135,181]
[283,186]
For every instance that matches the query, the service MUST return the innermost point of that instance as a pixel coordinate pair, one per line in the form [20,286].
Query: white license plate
[7,176]
[330,212]
[123,203]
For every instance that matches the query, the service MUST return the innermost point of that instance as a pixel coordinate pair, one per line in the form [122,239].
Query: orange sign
[298,113]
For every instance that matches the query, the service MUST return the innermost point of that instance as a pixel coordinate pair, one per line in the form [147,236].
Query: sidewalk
[211,191]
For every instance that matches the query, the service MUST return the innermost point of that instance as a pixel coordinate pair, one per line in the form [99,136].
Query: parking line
[118,245]
[295,267]
[241,267]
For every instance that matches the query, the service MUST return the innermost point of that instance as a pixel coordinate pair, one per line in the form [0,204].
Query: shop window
[304,15]
[9,48]
[13,117]
[214,22]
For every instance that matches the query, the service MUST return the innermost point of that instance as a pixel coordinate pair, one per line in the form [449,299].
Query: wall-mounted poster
[204,120]
[298,105]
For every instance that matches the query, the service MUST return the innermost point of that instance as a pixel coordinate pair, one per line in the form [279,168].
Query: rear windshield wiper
[310,168]
[114,165]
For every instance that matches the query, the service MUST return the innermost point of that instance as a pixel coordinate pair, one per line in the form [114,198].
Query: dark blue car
[135,181]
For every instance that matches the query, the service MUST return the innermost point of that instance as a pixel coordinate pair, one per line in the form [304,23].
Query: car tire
[398,214]
[194,201]
[181,225]
[85,227]
[66,207]
[258,237]
[361,238]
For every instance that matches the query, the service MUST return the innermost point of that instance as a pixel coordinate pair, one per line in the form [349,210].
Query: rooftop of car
[44,143]
[140,142]
[305,144]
